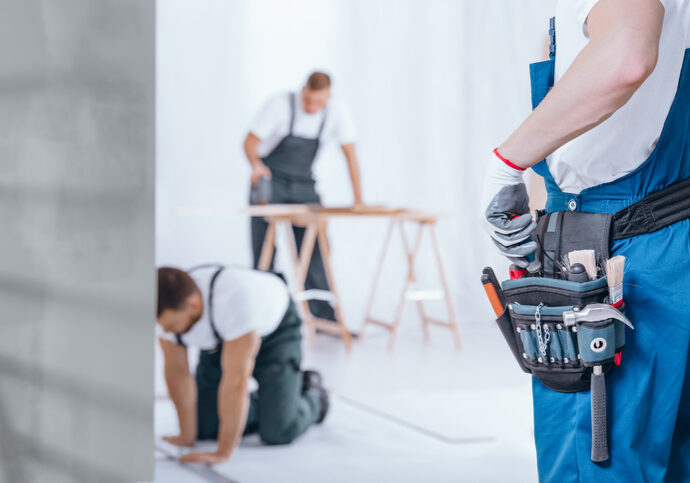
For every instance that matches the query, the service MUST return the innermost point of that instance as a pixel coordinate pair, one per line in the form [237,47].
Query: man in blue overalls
[612,121]
[282,144]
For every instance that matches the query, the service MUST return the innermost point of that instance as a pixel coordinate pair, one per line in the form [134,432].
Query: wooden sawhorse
[425,222]
[315,232]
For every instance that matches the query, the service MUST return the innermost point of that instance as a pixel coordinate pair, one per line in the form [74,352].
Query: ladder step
[424,295]
[315,294]
[380,323]
[442,323]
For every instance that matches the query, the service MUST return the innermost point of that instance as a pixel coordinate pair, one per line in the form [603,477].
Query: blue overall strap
[542,80]
[552,38]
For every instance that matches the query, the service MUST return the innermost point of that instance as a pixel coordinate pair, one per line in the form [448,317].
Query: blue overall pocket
[541,75]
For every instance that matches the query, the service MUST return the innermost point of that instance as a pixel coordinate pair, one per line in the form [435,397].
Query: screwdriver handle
[493,298]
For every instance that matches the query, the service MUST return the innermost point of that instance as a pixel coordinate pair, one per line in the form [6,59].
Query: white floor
[424,412]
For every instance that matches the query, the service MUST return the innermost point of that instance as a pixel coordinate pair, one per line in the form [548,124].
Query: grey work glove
[505,206]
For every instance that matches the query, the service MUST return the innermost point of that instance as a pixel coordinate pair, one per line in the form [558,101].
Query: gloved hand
[505,205]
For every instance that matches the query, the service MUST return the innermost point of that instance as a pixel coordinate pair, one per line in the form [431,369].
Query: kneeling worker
[245,325]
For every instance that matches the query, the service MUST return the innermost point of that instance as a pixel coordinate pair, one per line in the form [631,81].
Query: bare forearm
[356,182]
[602,78]
[233,405]
[353,168]
[251,148]
[182,391]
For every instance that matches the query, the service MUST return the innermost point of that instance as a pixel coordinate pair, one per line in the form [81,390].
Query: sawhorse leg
[452,321]
[269,246]
[411,253]
[316,232]
[294,257]
[368,319]
[325,248]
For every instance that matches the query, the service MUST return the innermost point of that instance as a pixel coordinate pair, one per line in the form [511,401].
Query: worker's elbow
[237,381]
[636,71]
[251,140]
[637,61]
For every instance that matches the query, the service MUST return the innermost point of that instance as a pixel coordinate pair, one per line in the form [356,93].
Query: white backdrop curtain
[433,86]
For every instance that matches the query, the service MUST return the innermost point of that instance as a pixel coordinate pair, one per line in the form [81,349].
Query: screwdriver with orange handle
[493,291]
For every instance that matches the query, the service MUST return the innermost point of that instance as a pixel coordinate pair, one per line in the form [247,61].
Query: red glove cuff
[514,166]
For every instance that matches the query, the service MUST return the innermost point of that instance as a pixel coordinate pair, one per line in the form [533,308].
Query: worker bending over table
[246,325]
[282,145]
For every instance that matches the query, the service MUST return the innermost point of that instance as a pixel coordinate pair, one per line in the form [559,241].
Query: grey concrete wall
[76,240]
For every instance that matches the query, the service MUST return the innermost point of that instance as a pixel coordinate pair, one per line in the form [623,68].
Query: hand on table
[505,206]
[359,206]
[258,171]
[204,458]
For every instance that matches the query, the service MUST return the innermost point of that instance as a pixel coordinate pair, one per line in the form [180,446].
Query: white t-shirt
[272,123]
[624,141]
[243,301]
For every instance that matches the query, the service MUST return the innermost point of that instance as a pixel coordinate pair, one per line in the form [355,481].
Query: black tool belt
[539,319]
[654,212]
[562,331]
[561,357]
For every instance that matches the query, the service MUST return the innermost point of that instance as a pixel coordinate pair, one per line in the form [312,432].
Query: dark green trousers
[278,410]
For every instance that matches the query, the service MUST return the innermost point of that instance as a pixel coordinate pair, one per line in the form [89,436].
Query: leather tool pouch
[561,232]
[561,357]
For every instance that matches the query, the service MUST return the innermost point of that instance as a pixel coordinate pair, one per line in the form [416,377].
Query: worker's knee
[277,434]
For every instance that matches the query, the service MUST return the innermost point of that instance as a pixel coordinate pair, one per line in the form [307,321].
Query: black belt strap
[210,305]
[654,212]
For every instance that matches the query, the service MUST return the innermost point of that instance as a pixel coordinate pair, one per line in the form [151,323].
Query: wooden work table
[315,220]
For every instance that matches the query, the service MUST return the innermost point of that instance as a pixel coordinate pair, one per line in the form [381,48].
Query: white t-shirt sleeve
[235,317]
[582,9]
[165,335]
[257,303]
[270,117]
[345,132]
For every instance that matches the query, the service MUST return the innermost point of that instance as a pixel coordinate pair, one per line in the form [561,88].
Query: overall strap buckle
[552,37]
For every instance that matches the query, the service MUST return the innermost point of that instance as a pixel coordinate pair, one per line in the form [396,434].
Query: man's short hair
[318,81]
[174,286]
